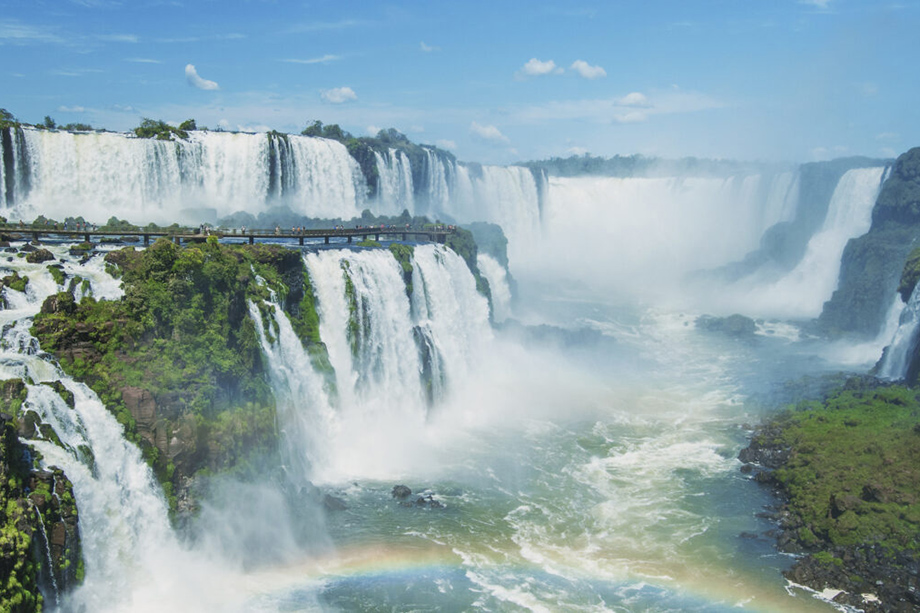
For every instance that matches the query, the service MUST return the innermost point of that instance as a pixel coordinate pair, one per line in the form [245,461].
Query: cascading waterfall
[497,277]
[329,182]
[122,511]
[804,290]
[394,187]
[391,356]
[367,326]
[303,404]
[98,175]
[449,310]
[897,359]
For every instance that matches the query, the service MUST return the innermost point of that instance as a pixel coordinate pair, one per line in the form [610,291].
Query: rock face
[872,264]
[38,518]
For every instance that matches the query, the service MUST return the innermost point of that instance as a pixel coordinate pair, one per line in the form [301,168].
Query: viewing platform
[434,233]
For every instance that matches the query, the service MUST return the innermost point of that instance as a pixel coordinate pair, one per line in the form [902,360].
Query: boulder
[401,492]
[38,256]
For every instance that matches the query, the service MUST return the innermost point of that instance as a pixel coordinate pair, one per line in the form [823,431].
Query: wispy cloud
[196,81]
[338,95]
[142,60]
[74,72]
[538,68]
[201,39]
[16,33]
[446,144]
[489,133]
[634,107]
[820,4]
[119,38]
[588,71]
[313,60]
[71,109]
[427,48]
[317,26]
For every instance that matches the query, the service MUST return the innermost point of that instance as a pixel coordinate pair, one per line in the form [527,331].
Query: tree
[188,125]
[48,123]
[314,129]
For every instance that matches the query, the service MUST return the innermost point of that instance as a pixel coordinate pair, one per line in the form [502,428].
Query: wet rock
[333,503]
[401,492]
[735,326]
[38,256]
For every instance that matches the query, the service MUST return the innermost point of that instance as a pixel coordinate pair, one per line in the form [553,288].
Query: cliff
[872,264]
[40,556]
[177,360]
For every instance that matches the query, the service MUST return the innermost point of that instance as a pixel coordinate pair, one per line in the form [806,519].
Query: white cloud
[588,71]
[633,99]
[446,144]
[71,109]
[196,81]
[315,60]
[631,108]
[888,136]
[427,48]
[142,60]
[536,68]
[576,151]
[338,95]
[119,38]
[489,133]
[631,117]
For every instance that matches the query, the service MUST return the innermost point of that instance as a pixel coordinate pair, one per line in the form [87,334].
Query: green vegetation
[7,120]
[153,128]
[853,473]
[403,255]
[910,275]
[462,242]
[14,281]
[179,352]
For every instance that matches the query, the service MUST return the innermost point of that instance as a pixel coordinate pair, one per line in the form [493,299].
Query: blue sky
[495,81]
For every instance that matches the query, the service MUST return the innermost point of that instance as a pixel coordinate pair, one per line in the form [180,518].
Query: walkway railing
[434,233]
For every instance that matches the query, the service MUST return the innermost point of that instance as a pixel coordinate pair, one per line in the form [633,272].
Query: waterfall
[449,310]
[329,182]
[394,187]
[303,405]
[897,359]
[123,516]
[366,323]
[98,175]
[804,290]
[497,277]
[393,356]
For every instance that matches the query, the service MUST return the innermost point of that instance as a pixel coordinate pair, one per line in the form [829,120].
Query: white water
[379,363]
[802,292]
[497,277]
[304,408]
[903,343]
[98,175]
[395,190]
[641,236]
